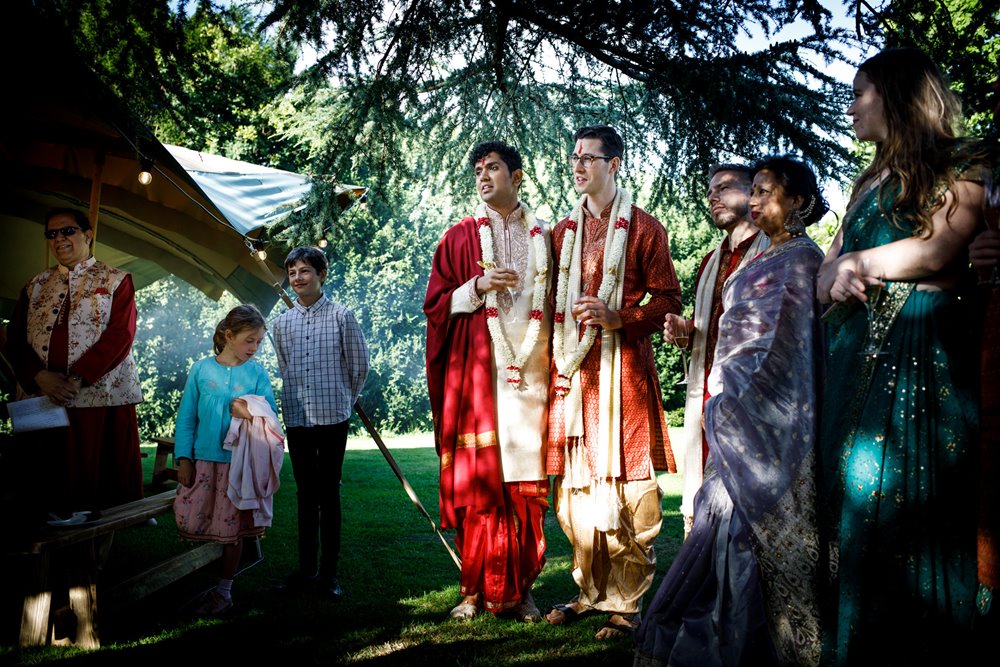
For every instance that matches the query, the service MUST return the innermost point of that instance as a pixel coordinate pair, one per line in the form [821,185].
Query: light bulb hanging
[145,170]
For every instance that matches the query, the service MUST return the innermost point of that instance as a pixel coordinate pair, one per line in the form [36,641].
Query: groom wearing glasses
[607,432]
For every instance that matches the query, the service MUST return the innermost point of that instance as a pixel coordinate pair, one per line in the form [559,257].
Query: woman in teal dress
[899,416]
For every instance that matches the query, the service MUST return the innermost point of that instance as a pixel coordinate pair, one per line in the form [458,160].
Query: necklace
[567,366]
[511,363]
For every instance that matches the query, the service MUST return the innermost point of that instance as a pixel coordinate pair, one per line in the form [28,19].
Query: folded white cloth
[258,447]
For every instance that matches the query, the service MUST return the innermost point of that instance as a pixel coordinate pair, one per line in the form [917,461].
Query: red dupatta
[460,381]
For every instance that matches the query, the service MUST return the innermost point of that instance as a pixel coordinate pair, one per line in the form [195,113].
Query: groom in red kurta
[498,520]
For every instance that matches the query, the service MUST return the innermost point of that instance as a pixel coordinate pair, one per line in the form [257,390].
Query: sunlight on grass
[379,651]
[434,601]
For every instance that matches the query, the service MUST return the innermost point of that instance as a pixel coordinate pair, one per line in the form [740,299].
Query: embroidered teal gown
[898,448]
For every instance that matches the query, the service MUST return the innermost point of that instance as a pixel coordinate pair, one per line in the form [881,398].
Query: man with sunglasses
[607,432]
[70,339]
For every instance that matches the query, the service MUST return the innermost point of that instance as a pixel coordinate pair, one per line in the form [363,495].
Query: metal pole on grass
[402,478]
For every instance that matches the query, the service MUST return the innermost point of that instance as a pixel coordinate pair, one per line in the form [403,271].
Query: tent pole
[95,195]
[406,484]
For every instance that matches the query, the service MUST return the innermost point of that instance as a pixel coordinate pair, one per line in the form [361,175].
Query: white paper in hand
[33,414]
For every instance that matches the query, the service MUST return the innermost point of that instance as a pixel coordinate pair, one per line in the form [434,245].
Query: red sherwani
[648,270]
[499,525]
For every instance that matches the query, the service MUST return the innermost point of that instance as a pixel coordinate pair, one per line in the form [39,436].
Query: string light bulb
[262,254]
[322,243]
[145,170]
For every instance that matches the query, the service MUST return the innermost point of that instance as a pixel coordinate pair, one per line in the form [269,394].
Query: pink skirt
[204,512]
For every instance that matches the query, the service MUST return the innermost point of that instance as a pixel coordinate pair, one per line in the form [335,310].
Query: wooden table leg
[75,624]
[37,603]
[162,472]
[81,567]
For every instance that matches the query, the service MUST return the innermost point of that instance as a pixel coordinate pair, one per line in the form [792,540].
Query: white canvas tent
[66,140]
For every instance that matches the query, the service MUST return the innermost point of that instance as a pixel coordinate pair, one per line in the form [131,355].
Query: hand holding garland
[567,365]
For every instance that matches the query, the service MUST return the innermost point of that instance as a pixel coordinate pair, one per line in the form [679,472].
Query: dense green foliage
[962,36]
[204,79]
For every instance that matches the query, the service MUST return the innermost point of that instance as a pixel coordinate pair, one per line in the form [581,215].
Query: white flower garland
[508,361]
[566,367]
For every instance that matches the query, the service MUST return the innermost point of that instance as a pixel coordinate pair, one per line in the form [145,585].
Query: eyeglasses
[65,231]
[587,159]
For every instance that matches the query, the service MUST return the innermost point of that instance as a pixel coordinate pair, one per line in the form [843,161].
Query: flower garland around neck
[621,213]
[513,364]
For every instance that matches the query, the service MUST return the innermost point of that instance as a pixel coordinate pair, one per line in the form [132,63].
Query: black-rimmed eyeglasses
[65,231]
[586,159]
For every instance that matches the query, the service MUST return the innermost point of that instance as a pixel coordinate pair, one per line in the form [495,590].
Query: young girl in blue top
[211,398]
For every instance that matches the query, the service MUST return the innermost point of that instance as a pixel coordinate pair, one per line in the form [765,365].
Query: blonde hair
[923,118]
[240,318]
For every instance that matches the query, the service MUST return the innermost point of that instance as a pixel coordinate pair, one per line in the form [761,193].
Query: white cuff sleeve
[465,299]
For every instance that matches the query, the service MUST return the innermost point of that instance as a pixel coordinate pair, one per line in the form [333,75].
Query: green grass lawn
[400,584]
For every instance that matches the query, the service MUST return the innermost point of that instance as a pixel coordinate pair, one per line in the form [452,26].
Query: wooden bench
[72,556]
[161,471]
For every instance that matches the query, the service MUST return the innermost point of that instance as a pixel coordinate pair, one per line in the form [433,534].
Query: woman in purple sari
[743,588]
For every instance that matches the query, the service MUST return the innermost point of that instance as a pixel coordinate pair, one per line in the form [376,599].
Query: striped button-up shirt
[323,360]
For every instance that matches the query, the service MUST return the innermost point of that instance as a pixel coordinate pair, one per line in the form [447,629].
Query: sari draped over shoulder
[898,450]
[460,383]
[743,589]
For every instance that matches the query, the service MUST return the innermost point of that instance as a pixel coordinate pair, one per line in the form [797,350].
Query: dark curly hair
[507,153]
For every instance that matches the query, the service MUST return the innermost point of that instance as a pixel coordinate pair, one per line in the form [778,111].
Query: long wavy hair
[924,119]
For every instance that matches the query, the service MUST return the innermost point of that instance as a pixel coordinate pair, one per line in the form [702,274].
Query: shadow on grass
[400,584]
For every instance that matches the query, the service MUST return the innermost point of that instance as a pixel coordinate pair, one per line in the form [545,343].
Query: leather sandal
[570,615]
[612,630]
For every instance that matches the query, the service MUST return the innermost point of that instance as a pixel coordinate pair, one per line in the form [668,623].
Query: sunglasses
[65,231]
